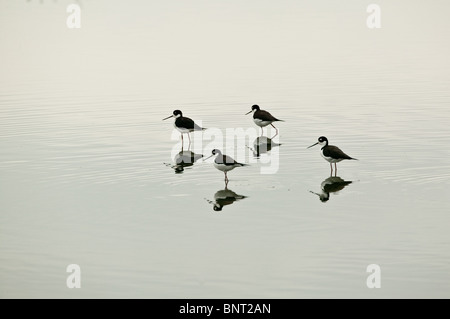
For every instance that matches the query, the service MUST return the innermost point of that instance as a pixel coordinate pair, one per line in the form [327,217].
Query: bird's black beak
[313,145]
[208,157]
[167,117]
[248,112]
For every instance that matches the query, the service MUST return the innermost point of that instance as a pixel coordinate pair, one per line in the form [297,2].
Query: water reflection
[332,184]
[184,159]
[263,144]
[224,197]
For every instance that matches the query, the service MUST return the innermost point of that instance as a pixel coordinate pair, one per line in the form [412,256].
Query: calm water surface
[88,172]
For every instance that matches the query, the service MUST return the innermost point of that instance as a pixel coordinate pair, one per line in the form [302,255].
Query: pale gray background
[83,149]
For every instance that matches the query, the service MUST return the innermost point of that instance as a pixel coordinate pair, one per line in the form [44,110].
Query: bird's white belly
[330,159]
[223,167]
[261,122]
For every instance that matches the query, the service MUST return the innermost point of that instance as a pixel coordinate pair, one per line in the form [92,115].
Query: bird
[184,124]
[263,118]
[331,153]
[224,163]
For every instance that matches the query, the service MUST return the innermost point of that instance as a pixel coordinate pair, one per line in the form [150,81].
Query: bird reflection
[184,159]
[332,184]
[224,197]
[263,144]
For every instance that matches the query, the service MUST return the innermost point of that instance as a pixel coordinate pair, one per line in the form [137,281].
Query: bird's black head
[215,152]
[323,140]
[177,113]
[254,109]
[217,207]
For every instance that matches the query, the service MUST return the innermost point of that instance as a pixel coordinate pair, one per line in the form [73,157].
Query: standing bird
[331,153]
[263,118]
[224,163]
[184,124]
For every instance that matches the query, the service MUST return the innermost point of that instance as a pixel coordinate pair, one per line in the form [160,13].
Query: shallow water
[87,167]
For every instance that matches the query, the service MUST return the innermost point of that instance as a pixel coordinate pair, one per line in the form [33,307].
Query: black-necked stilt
[224,163]
[332,154]
[263,118]
[332,184]
[184,124]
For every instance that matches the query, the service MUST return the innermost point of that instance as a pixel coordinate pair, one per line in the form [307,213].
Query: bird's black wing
[185,122]
[335,152]
[265,116]
[226,160]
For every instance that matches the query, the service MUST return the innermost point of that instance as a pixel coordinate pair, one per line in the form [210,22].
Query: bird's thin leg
[276,130]
[226,177]
[331,166]
[335,169]
[262,131]
[226,184]
[189,136]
